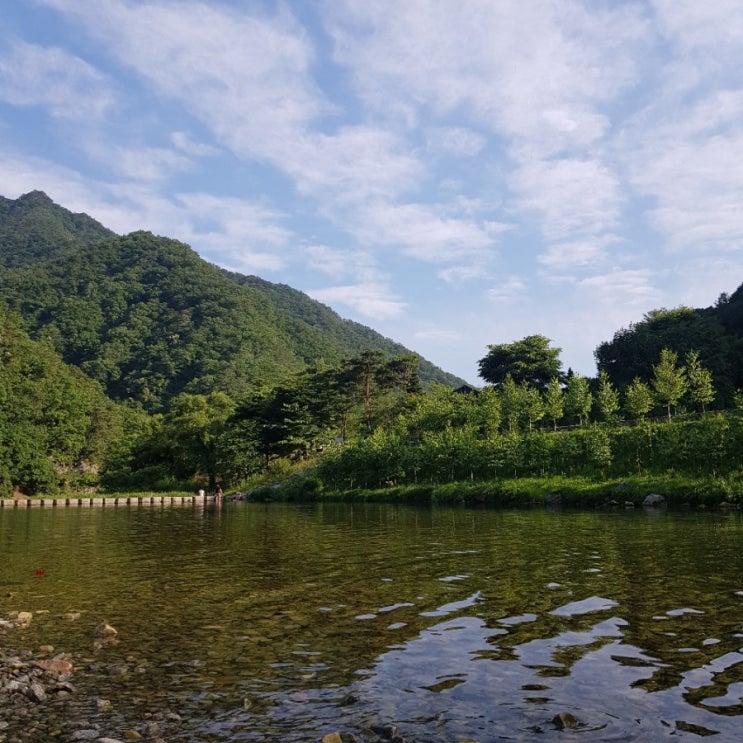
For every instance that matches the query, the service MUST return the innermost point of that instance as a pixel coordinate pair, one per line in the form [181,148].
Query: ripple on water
[585,606]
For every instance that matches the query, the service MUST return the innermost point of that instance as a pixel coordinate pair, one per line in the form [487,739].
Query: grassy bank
[678,491]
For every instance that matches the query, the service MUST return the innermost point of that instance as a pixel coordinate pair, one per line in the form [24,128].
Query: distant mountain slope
[303,317]
[149,318]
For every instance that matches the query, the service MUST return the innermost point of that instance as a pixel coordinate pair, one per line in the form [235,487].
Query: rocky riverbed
[46,695]
[40,699]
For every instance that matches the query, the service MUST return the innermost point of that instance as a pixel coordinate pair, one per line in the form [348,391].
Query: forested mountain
[149,319]
[716,332]
[52,417]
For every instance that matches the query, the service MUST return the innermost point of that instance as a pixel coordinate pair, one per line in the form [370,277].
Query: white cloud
[144,163]
[694,25]
[427,232]
[458,274]
[454,140]
[342,263]
[184,142]
[373,301]
[574,197]
[630,287]
[576,253]
[531,71]
[65,85]
[236,233]
[512,289]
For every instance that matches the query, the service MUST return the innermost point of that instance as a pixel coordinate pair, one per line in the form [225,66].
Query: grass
[679,491]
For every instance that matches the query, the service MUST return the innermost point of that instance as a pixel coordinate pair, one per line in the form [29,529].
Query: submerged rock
[105,631]
[565,721]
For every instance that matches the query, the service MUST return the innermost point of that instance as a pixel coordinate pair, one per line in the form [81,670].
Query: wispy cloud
[63,84]
[427,232]
[374,301]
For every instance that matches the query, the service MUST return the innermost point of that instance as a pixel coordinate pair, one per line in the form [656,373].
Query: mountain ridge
[149,318]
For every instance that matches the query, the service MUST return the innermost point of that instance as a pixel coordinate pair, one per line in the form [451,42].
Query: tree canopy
[530,360]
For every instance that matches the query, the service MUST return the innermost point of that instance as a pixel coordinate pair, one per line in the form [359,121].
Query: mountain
[149,319]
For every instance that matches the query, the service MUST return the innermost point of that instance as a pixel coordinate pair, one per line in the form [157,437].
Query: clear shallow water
[273,622]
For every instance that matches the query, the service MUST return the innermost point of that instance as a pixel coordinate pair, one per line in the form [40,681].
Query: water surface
[274,622]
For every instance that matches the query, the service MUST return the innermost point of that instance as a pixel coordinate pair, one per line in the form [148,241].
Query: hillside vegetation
[149,319]
[128,362]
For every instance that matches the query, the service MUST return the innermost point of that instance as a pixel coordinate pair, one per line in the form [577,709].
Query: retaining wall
[148,500]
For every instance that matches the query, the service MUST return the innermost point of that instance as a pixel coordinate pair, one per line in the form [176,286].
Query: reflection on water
[271,622]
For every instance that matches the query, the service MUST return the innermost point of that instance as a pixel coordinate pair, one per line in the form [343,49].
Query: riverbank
[676,491]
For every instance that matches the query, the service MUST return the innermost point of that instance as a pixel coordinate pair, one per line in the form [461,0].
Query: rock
[565,721]
[653,500]
[104,705]
[60,666]
[36,692]
[105,631]
[23,618]
[332,738]
[88,734]
[71,616]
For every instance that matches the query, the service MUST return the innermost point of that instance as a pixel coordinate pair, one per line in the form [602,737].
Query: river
[272,622]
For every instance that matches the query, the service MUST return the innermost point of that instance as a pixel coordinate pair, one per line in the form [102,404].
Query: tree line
[362,423]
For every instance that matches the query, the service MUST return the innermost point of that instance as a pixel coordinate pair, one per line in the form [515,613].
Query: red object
[39,573]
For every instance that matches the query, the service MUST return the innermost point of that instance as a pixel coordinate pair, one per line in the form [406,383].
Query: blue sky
[452,173]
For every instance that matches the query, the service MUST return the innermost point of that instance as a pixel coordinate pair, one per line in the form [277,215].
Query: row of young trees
[532,387]
[443,436]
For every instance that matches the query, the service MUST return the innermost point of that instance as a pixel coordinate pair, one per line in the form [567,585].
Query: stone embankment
[147,500]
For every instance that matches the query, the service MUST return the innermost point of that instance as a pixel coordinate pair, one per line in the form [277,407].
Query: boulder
[653,500]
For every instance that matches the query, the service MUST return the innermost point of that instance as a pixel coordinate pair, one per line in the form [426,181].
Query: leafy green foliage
[530,360]
[53,420]
[669,381]
[715,333]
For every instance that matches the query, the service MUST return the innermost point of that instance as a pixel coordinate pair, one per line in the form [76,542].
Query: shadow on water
[258,622]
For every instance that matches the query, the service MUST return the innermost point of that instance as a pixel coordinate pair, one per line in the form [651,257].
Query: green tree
[532,406]
[701,389]
[638,399]
[530,360]
[554,401]
[192,429]
[510,400]
[607,398]
[578,397]
[669,381]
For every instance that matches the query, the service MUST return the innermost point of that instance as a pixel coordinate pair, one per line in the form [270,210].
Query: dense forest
[128,362]
[149,319]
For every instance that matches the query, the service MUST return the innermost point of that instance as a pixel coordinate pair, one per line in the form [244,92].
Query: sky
[451,173]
